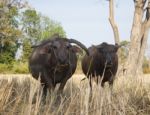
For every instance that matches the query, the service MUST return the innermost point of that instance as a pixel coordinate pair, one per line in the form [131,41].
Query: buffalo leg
[60,90]
[90,82]
[111,81]
[45,88]
[62,85]
[49,83]
[91,92]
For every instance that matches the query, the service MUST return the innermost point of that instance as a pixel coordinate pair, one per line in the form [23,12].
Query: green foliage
[15,67]
[27,26]
[39,27]
[31,18]
[9,33]
[20,67]
[4,68]
[31,22]
[7,54]
[26,50]
[50,27]
[6,58]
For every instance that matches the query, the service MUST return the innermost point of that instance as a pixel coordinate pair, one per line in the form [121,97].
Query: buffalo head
[102,63]
[108,53]
[61,49]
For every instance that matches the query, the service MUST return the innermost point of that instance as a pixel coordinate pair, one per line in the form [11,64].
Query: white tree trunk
[144,38]
[142,52]
[138,37]
[135,44]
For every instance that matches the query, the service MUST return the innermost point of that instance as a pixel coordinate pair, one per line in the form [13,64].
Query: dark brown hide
[54,61]
[102,62]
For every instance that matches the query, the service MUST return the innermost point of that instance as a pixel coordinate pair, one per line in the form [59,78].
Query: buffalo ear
[76,49]
[45,49]
[117,47]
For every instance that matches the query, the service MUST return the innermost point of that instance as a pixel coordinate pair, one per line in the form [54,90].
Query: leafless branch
[112,22]
[144,2]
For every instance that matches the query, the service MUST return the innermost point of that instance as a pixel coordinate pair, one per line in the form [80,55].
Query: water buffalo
[54,61]
[102,62]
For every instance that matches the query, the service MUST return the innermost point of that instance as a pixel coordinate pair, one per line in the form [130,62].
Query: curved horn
[118,45]
[79,44]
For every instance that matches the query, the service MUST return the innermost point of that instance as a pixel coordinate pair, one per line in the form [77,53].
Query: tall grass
[130,96]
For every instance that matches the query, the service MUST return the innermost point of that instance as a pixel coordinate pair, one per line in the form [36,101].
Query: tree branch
[112,22]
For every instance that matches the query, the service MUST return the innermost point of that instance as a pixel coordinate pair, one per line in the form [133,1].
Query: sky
[87,20]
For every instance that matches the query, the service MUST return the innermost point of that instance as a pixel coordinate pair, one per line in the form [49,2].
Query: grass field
[22,95]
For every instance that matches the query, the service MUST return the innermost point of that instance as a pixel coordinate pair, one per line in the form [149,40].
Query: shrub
[4,68]
[15,67]
[20,67]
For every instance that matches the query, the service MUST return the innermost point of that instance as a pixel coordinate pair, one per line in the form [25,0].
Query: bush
[4,68]
[15,67]
[20,67]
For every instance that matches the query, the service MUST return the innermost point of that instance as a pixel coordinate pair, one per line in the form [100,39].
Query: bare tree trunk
[142,52]
[144,36]
[115,28]
[135,44]
[139,36]
[112,22]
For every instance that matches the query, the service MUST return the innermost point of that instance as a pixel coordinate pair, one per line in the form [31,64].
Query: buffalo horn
[79,44]
[118,45]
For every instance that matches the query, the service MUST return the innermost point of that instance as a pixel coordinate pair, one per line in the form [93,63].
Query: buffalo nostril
[61,61]
[109,63]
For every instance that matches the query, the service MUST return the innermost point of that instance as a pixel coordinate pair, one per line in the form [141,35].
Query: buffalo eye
[102,50]
[68,46]
[54,47]
[49,50]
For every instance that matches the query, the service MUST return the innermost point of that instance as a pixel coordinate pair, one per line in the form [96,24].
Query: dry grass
[23,96]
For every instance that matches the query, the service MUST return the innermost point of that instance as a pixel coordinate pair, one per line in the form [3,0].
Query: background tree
[9,31]
[50,27]
[31,24]
[37,27]
[20,27]
[138,37]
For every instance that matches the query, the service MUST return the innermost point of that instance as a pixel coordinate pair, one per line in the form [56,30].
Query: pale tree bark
[115,29]
[112,22]
[144,38]
[139,35]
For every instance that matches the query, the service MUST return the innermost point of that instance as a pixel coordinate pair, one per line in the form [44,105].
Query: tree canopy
[21,25]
